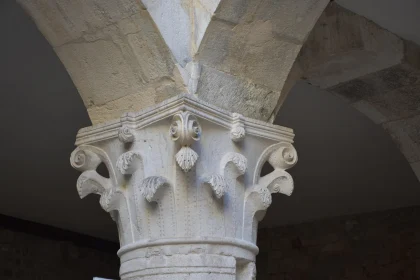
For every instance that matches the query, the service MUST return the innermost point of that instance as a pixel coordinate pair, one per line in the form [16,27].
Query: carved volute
[185,189]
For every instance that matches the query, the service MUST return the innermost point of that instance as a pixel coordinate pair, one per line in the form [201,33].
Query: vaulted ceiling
[347,163]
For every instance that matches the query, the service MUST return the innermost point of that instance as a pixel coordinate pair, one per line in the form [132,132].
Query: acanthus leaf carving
[185,129]
[109,199]
[278,181]
[265,196]
[126,163]
[239,160]
[91,182]
[217,183]
[150,185]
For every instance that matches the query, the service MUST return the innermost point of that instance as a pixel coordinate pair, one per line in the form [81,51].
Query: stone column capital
[184,186]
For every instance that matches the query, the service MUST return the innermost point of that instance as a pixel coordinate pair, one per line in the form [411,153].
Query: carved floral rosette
[184,192]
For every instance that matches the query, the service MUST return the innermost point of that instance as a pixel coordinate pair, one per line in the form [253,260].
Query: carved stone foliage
[150,185]
[126,134]
[217,183]
[185,129]
[205,218]
[126,163]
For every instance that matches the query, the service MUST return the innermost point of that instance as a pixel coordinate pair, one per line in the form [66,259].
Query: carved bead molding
[176,224]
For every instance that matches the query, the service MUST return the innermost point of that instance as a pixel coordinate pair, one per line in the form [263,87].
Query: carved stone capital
[200,223]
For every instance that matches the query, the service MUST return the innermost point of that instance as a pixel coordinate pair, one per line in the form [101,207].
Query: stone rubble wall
[35,252]
[381,245]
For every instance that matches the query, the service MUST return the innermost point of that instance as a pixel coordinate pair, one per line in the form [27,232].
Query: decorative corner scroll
[284,157]
[82,159]
[185,129]
[126,134]
[150,185]
[217,183]
[281,156]
[126,163]
[237,133]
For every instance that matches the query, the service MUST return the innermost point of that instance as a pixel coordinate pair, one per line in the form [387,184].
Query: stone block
[236,94]
[369,111]
[406,134]
[397,104]
[65,21]
[416,168]
[114,62]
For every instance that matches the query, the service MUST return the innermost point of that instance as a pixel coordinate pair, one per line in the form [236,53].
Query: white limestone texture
[129,55]
[194,218]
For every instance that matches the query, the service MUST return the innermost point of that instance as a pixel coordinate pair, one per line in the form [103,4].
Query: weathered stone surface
[369,111]
[112,51]
[392,93]
[416,168]
[233,93]
[406,134]
[344,46]
[385,248]
[290,19]
[117,61]
[182,24]
[38,252]
[64,21]
[257,41]
[151,94]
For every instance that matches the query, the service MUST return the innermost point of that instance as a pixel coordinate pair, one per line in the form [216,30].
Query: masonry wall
[383,245]
[35,252]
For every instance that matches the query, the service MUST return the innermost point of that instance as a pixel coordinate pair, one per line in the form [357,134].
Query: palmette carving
[126,163]
[91,182]
[185,129]
[217,183]
[150,185]
[186,158]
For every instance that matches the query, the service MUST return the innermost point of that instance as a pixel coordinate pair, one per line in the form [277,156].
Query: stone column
[184,187]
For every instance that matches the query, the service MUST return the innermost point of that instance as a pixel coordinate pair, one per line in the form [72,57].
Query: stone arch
[126,55]
[112,50]
[373,70]
[248,51]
